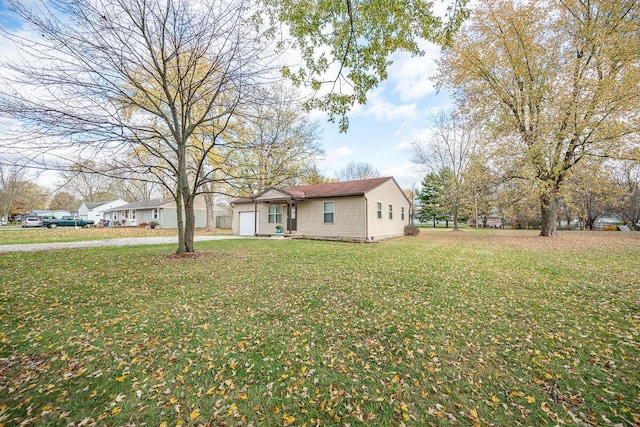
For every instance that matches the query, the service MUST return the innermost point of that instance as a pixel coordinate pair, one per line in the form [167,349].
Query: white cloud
[337,159]
[406,174]
[411,77]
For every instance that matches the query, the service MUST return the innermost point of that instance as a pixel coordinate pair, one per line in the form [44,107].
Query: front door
[292,218]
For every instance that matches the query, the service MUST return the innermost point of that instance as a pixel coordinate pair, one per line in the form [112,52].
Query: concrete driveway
[132,241]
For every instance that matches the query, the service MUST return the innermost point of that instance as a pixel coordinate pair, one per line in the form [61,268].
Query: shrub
[154,224]
[411,230]
[143,224]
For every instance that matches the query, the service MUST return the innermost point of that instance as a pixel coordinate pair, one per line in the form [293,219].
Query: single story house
[162,211]
[95,210]
[364,210]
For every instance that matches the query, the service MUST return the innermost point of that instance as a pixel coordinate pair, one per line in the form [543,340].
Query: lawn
[450,328]
[17,235]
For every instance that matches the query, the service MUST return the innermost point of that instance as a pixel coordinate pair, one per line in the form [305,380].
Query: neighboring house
[162,211]
[42,213]
[365,210]
[95,210]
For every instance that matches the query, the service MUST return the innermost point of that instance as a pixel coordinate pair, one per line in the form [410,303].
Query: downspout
[366,218]
[255,219]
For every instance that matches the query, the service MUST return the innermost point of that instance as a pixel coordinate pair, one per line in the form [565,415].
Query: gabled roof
[142,204]
[328,189]
[91,205]
[339,189]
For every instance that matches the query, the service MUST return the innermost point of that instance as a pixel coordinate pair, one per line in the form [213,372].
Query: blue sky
[396,115]
[380,132]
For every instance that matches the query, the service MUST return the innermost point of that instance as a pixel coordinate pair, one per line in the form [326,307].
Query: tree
[591,193]
[116,80]
[63,201]
[12,179]
[357,170]
[346,45]
[454,142]
[274,144]
[627,179]
[433,196]
[89,181]
[479,187]
[556,82]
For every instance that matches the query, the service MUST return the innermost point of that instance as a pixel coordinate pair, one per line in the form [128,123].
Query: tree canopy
[555,81]
[345,45]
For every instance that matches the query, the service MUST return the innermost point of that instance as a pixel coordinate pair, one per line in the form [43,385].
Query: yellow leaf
[194,414]
[122,378]
[544,407]
[115,410]
[163,424]
[531,399]
[211,391]
[288,419]
[516,393]
[495,399]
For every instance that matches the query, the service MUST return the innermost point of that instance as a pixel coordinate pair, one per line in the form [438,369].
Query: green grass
[466,328]
[17,235]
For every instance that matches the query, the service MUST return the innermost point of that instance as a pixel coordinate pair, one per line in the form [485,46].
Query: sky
[396,115]
[380,133]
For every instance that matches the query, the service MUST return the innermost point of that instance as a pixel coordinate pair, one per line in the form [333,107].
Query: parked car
[31,221]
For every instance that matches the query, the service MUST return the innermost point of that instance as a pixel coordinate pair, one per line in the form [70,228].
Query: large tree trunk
[189,224]
[549,211]
[211,224]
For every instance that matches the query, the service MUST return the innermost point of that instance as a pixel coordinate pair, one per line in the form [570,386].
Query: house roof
[91,205]
[328,189]
[142,204]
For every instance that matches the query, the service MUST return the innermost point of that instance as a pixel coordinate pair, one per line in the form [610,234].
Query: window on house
[379,210]
[155,214]
[133,214]
[390,211]
[402,213]
[275,214]
[329,210]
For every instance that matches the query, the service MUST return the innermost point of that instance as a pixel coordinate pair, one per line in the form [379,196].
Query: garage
[247,223]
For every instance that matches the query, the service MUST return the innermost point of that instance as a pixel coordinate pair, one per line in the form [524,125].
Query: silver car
[32,221]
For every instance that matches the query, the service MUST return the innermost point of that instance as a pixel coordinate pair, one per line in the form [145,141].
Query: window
[379,210]
[133,214]
[155,214]
[390,211]
[275,214]
[328,212]
[402,213]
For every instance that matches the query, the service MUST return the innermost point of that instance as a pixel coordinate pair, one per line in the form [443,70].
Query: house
[162,211]
[95,210]
[364,210]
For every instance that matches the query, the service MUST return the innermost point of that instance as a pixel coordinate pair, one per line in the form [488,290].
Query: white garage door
[247,223]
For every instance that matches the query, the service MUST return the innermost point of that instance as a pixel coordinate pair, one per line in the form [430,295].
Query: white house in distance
[162,211]
[364,210]
[95,210]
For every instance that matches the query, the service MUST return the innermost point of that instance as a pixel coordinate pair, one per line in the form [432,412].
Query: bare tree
[454,142]
[357,170]
[112,80]
[274,144]
[88,181]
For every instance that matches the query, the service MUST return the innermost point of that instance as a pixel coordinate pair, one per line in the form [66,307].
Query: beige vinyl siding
[349,218]
[387,194]
[235,219]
